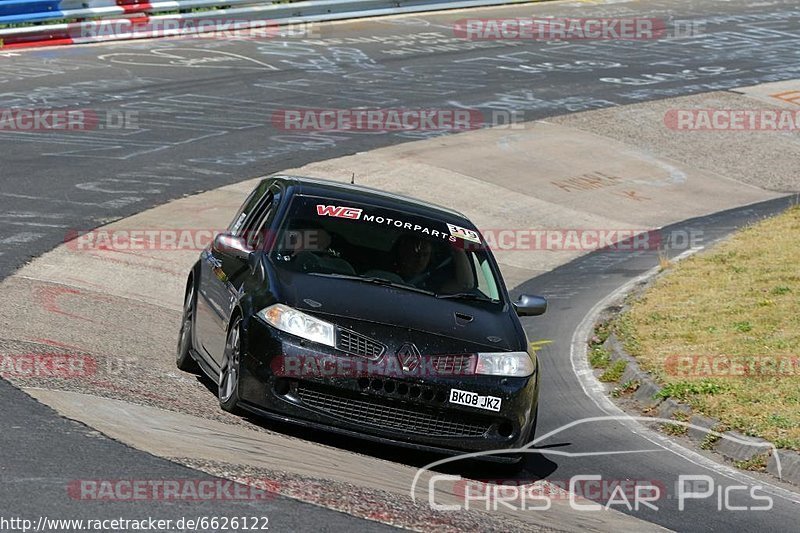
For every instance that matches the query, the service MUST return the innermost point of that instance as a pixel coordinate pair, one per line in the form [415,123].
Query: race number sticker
[464,233]
[238,223]
[473,399]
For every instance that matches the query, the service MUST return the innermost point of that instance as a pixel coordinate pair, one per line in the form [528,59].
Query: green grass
[756,464]
[626,388]
[674,429]
[599,357]
[709,442]
[614,371]
[736,301]
[685,390]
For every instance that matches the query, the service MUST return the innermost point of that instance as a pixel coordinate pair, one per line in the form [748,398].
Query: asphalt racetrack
[200,115]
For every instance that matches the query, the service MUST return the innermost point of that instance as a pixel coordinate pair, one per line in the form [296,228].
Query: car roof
[323,187]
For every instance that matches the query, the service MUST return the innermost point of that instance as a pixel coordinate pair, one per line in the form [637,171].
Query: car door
[222,274]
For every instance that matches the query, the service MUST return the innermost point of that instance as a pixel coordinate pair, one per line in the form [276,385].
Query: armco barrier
[33,23]
[22,11]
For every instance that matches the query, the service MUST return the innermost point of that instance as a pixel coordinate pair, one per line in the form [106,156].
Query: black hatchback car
[350,309]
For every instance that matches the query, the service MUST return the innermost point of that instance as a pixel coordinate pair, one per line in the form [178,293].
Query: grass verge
[721,331]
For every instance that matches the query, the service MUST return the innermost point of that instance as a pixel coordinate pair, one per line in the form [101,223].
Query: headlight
[518,364]
[293,321]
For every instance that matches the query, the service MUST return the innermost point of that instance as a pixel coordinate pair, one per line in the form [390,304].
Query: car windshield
[363,242]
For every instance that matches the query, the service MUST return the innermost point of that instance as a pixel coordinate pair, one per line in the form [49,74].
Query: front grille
[356,344]
[381,414]
[453,364]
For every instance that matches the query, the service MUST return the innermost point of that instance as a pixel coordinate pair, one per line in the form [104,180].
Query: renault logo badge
[409,357]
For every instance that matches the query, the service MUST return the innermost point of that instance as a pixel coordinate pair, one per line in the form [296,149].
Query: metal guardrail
[25,11]
[59,22]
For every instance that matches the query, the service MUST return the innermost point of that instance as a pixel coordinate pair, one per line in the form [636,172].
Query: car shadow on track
[536,466]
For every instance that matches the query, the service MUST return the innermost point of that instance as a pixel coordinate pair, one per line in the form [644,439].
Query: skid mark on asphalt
[182,57]
[57,344]
[133,296]
[164,258]
[56,298]
[48,298]
[105,257]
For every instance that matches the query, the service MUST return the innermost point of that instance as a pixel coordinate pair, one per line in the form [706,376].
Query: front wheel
[229,372]
[183,359]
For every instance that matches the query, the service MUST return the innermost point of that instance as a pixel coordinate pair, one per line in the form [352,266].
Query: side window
[485,278]
[257,230]
[239,221]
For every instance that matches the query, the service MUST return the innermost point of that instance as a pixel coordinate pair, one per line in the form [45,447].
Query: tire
[184,360]
[228,389]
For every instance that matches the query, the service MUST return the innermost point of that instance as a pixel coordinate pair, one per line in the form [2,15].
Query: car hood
[468,326]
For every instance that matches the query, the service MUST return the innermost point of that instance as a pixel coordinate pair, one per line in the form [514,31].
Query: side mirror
[228,244]
[527,305]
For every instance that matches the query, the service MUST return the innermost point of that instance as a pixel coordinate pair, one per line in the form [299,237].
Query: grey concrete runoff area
[592,153]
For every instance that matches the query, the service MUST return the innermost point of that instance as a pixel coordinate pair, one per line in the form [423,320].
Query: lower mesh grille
[381,414]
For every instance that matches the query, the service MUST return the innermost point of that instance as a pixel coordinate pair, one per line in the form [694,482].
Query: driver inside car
[412,255]
[313,252]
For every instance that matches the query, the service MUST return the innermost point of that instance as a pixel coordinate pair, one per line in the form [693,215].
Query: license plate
[473,399]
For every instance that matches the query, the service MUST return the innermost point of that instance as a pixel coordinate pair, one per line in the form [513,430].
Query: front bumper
[379,401]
